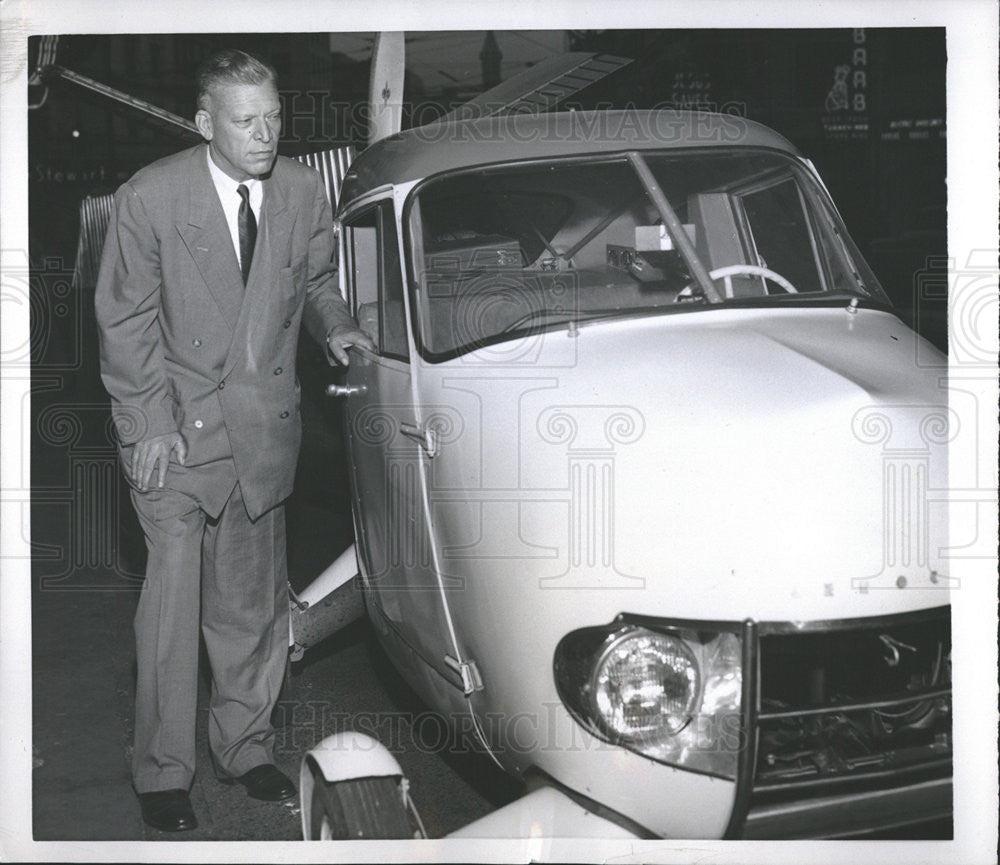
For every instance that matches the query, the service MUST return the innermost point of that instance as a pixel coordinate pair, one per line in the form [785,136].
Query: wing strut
[48,70]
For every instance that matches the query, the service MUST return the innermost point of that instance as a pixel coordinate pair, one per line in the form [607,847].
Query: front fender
[341,757]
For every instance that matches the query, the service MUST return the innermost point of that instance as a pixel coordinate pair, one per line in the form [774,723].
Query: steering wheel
[731,270]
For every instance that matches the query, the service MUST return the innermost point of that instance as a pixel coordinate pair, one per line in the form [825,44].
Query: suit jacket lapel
[209,242]
[270,255]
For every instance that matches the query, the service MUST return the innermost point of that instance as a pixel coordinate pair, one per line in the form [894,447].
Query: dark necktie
[247,230]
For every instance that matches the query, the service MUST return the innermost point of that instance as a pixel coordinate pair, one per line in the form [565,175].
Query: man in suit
[214,256]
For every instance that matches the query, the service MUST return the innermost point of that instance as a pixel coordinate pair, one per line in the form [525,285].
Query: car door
[386,446]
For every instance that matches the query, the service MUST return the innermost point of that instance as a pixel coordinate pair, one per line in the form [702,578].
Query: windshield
[502,252]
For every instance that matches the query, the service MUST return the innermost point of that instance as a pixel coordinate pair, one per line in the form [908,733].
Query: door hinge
[427,437]
[471,680]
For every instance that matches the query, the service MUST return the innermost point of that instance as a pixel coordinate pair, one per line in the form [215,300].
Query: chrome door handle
[346,389]
[427,437]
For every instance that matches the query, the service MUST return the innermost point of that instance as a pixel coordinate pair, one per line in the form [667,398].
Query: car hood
[768,463]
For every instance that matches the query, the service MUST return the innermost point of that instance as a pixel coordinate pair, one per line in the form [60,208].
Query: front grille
[852,708]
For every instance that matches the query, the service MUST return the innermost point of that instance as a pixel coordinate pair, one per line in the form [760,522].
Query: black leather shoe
[267,783]
[168,810]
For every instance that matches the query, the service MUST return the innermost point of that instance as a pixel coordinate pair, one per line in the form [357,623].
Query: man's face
[241,124]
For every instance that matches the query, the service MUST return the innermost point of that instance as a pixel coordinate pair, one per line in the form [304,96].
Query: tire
[360,808]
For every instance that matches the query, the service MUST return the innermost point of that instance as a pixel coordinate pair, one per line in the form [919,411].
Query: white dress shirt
[230,198]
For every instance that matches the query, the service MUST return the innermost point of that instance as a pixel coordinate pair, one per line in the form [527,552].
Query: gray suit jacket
[185,347]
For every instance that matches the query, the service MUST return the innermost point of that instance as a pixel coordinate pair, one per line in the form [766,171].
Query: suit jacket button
[198,424]
[222,385]
[196,343]
[288,323]
[283,415]
[277,370]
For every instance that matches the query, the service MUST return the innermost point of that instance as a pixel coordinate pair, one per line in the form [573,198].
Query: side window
[392,339]
[361,262]
[781,235]
[375,279]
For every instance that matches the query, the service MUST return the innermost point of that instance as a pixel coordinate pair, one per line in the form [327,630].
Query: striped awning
[95,214]
[333,165]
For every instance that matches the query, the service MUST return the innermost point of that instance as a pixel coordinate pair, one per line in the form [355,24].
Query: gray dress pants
[228,576]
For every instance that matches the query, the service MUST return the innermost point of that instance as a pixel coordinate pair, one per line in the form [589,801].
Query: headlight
[645,685]
[672,694]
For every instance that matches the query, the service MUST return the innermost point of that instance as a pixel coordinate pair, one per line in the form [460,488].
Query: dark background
[867,106]
[880,146]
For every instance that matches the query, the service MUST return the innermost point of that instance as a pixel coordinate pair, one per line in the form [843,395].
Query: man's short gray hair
[231,66]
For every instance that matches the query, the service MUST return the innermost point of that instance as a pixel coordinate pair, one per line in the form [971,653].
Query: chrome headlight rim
[575,662]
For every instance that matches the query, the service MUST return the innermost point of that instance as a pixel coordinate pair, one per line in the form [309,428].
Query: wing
[541,87]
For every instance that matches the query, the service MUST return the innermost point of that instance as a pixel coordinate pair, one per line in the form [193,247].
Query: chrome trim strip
[747,760]
[893,620]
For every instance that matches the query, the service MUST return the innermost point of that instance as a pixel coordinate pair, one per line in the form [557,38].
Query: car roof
[455,144]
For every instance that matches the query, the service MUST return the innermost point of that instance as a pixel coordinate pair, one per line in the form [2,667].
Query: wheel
[752,270]
[360,808]
[729,271]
